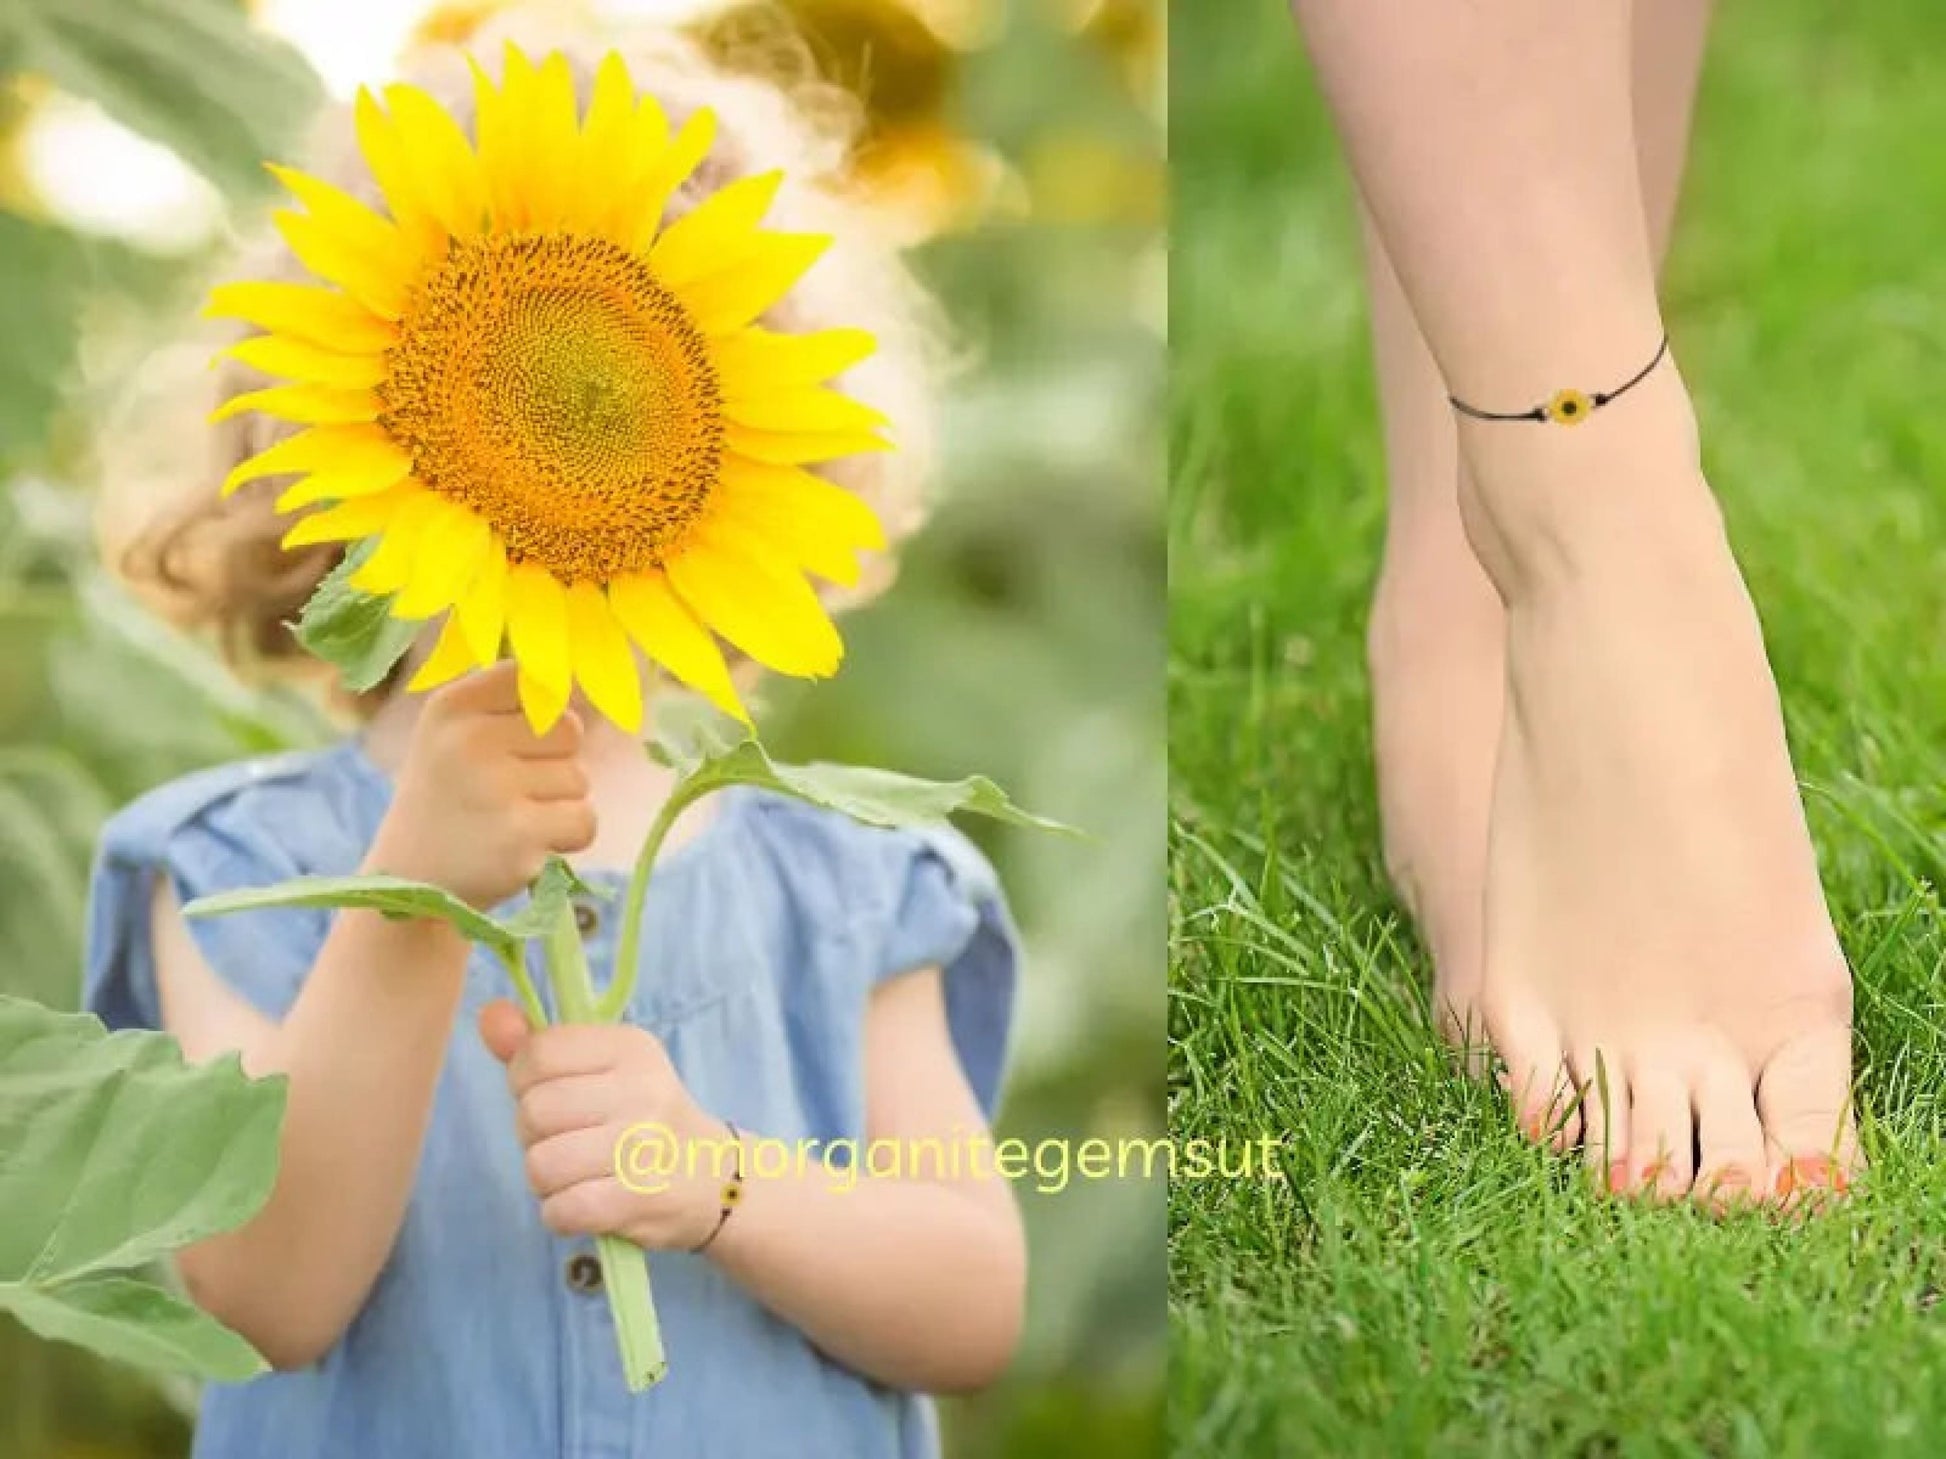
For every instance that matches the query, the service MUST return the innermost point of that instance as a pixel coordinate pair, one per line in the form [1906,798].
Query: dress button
[586,919]
[584,1273]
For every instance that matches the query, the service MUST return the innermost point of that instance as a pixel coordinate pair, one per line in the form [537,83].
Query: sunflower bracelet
[1567,407]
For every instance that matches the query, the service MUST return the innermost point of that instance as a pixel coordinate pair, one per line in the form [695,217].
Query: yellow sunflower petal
[808,551]
[548,127]
[450,657]
[727,301]
[304,311]
[390,565]
[347,479]
[379,281]
[482,608]
[338,212]
[295,359]
[537,623]
[449,177]
[720,228]
[668,633]
[794,495]
[767,611]
[322,448]
[812,412]
[449,554]
[511,190]
[639,214]
[755,360]
[607,150]
[800,517]
[395,170]
[604,664]
[311,405]
[799,448]
[499,140]
[543,704]
[362,516]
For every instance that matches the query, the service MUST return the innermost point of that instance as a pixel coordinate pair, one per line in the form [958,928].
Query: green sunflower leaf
[354,631]
[195,75]
[553,888]
[708,759]
[117,1154]
[390,896]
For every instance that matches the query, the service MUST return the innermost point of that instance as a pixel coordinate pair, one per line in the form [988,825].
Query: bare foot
[1661,978]
[1436,646]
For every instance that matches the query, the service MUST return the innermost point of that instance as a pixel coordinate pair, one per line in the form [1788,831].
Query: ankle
[1622,496]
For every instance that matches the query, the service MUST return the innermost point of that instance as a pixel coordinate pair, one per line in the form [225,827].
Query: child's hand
[591,1096]
[482,802]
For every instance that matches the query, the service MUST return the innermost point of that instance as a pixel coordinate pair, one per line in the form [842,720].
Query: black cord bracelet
[1568,407]
[732,1194]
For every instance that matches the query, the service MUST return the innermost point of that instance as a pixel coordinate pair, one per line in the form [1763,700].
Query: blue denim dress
[484,1336]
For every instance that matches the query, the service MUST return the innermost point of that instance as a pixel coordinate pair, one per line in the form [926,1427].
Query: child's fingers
[510,734]
[568,1160]
[559,743]
[568,1049]
[503,1029]
[556,1106]
[592,1208]
[492,690]
[564,826]
[555,780]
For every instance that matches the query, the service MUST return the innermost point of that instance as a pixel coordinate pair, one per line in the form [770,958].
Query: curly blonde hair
[215,566]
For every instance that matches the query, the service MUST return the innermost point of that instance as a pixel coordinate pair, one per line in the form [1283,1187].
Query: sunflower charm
[556,416]
[1569,408]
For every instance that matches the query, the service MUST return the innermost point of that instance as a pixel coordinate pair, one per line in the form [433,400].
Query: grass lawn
[1421,1282]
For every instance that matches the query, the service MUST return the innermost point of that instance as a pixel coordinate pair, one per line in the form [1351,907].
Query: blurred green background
[1020,148]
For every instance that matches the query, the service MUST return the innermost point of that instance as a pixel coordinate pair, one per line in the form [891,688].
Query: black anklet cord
[1568,407]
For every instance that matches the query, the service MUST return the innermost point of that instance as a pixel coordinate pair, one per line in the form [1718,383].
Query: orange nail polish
[1617,1174]
[1787,1179]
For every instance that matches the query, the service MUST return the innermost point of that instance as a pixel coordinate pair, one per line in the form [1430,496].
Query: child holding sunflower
[533,383]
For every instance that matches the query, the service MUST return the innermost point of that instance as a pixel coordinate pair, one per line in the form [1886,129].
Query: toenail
[1617,1174]
[1730,1187]
[1818,1170]
[1786,1180]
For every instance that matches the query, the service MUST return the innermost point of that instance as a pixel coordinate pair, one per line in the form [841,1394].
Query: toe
[1604,1116]
[1538,1083]
[1804,1103]
[1661,1132]
[1730,1168]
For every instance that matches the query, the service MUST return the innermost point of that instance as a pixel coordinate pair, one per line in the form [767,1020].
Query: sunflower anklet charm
[1567,407]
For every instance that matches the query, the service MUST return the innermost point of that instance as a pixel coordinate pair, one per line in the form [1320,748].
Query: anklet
[1568,407]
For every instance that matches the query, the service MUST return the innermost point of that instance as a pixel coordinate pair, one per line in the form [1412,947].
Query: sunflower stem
[624,1265]
[628,945]
[530,1000]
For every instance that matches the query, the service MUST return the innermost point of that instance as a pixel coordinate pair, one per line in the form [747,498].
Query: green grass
[1420,1282]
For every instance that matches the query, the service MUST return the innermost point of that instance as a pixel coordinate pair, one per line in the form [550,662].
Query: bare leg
[1654,930]
[1437,638]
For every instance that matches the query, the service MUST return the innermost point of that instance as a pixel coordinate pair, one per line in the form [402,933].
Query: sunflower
[1568,408]
[555,417]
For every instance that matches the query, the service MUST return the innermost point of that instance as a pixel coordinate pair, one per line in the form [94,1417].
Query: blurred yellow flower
[554,415]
